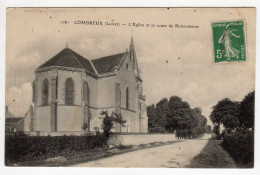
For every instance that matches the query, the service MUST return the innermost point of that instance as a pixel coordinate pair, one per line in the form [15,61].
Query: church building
[70,92]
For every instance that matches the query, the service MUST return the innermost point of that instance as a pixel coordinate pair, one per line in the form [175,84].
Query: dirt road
[173,156]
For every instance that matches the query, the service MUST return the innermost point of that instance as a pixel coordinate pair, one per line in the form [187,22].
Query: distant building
[12,123]
[70,91]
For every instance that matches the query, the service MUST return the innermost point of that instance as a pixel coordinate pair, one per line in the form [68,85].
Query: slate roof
[13,120]
[107,64]
[68,58]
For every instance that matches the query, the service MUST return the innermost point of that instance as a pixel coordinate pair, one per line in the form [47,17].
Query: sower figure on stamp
[225,39]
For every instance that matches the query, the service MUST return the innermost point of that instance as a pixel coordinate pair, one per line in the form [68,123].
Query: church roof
[13,120]
[68,58]
[107,64]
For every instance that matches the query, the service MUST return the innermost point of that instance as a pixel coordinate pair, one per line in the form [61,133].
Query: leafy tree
[198,125]
[107,123]
[178,116]
[208,129]
[226,112]
[118,119]
[109,120]
[161,113]
[198,110]
[157,116]
[175,115]
[240,143]
[151,114]
[216,129]
[247,107]
[231,122]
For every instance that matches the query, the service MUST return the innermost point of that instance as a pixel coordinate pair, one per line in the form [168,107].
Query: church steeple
[133,59]
[132,49]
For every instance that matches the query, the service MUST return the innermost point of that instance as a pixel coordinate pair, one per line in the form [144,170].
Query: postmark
[229,41]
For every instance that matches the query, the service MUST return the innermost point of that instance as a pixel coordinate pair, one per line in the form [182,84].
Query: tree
[157,116]
[178,116]
[151,114]
[198,110]
[216,130]
[198,125]
[208,129]
[107,123]
[239,118]
[247,110]
[118,119]
[226,112]
[161,113]
[109,120]
[175,115]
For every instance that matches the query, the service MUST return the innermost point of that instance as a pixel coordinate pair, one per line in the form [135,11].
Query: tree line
[175,115]
[238,135]
[233,114]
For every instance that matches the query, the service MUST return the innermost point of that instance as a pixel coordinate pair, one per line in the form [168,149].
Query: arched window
[86,92]
[34,91]
[118,95]
[45,91]
[127,98]
[69,91]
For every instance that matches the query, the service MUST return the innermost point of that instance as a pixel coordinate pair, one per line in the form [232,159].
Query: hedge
[23,148]
[240,145]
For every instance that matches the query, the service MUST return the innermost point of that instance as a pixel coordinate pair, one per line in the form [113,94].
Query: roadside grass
[212,156]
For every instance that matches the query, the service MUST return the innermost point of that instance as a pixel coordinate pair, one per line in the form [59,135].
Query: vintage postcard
[130,87]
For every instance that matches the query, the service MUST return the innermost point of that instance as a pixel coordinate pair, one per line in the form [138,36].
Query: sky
[174,61]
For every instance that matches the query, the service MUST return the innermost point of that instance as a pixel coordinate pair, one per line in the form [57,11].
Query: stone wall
[132,121]
[69,118]
[42,119]
[60,133]
[138,139]
[106,92]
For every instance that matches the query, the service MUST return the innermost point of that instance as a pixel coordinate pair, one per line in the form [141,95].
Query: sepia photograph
[130,87]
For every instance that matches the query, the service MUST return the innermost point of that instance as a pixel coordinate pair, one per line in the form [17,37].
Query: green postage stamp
[229,41]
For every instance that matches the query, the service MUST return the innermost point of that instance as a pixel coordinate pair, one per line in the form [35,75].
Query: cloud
[18,99]
[20,69]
